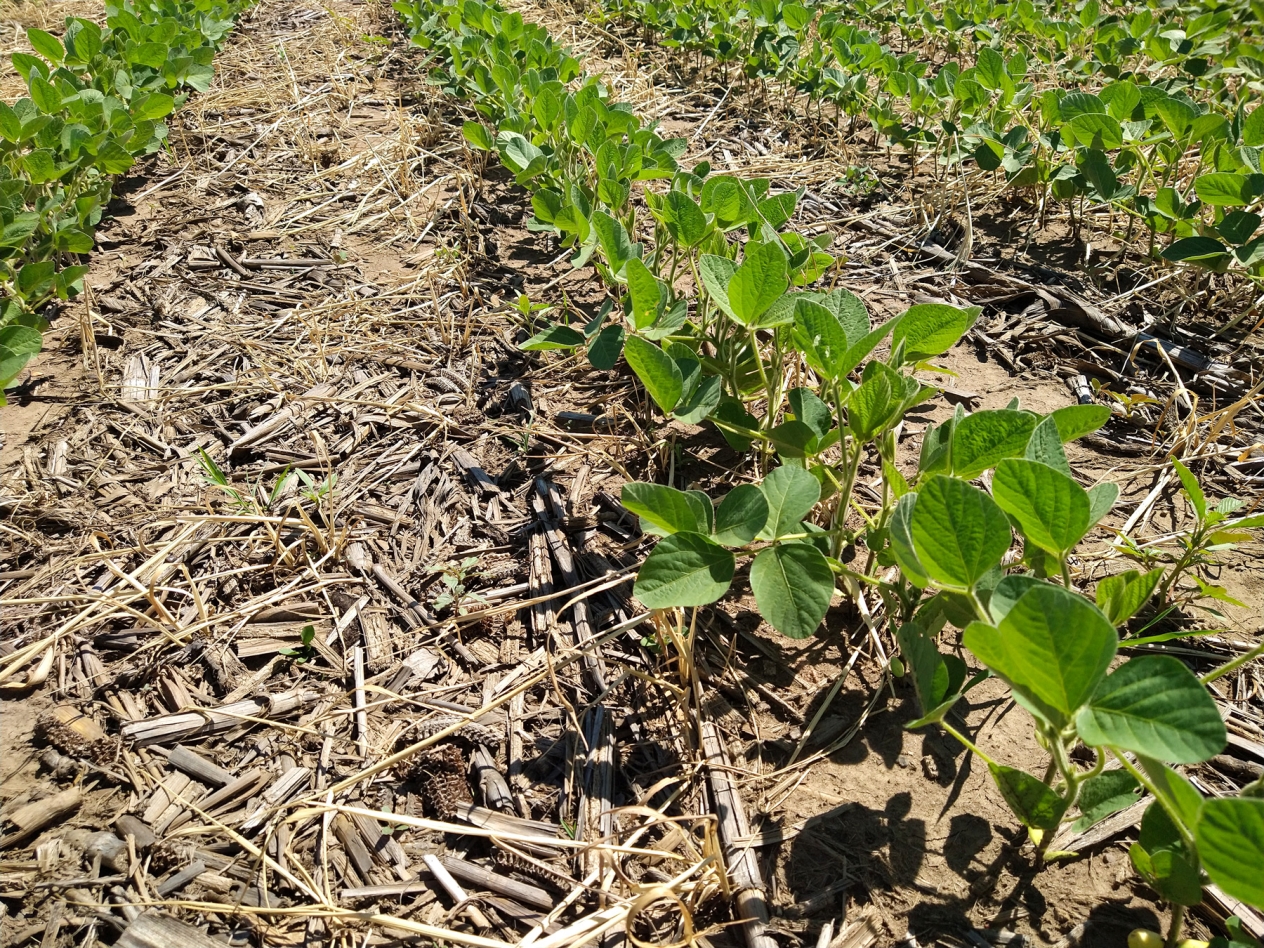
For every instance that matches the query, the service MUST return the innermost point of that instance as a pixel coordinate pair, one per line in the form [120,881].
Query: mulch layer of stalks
[317,607]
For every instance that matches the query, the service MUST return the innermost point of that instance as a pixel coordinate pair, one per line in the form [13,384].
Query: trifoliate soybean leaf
[820,337]
[554,337]
[657,371]
[958,532]
[685,569]
[1053,647]
[1045,446]
[703,509]
[930,329]
[1224,189]
[810,410]
[1101,497]
[1193,490]
[741,515]
[701,402]
[793,585]
[932,677]
[1230,837]
[1121,596]
[1034,803]
[758,282]
[604,348]
[1051,509]
[716,272]
[874,406]
[791,493]
[1079,103]
[664,510]
[1075,421]
[1104,794]
[984,438]
[46,44]
[18,345]
[1154,705]
[1174,788]
[849,309]
[685,220]
[1238,226]
[790,439]
[615,243]
[902,542]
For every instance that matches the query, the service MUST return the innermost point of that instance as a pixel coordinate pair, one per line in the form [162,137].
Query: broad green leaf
[1096,130]
[554,337]
[791,493]
[1222,189]
[902,542]
[663,510]
[937,678]
[615,243]
[876,403]
[1121,596]
[1230,838]
[685,220]
[958,532]
[1193,490]
[648,294]
[657,371]
[730,411]
[1104,794]
[1034,803]
[1045,446]
[1101,498]
[478,136]
[810,410]
[741,516]
[820,337]
[930,329]
[1174,788]
[758,282]
[793,585]
[18,345]
[1007,592]
[685,569]
[701,402]
[604,348]
[1161,858]
[46,44]
[1052,510]
[1053,647]
[1075,421]
[716,272]
[1154,705]
[984,438]
[1195,250]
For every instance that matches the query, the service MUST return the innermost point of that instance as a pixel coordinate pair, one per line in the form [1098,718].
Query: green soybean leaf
[18,345]
[937,678]
[615,243]
[478,136]
[648,294]
[758,282]
[793,585]
[930,329]
[604,348]
[1053,647]
[820,337]
[1034,803]
[730,411]
[1175,788]
[664,510]
[984,438]
[703,509]
[716,272]
[876,403]
[810,410]
[1223,189]
[958,532]
[1075,421]
[741,516]
[1154,705]
[791,493]
[1007,592]
[1161,858]
[1103,795]
[902,542]
[1101,497]
[46,44]
[1045,446]
[701,402]
[685,569]
[1121,596]
[657,371]
[1196,250]
[1052,510]
[685,220]
[554,337]
[1230,837]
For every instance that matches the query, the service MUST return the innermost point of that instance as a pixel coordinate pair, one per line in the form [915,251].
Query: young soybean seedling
[306,651]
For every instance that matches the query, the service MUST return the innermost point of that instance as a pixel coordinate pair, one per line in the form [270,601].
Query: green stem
[1233,665]
[969,744]
[1174,929]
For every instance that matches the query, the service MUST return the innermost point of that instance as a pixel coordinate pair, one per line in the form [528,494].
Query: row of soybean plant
[1147,111]
[934,544]
[96,101]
